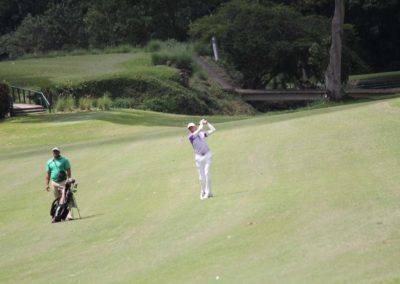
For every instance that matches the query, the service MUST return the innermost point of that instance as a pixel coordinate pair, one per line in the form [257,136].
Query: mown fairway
[52,71]
[306,197]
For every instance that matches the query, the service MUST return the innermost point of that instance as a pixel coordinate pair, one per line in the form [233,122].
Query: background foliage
[4,100]
[268,41]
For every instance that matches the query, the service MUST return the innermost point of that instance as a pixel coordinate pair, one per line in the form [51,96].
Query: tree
[267,42]
[13,12]
[333,78]
[377,24]
[136,21]
[116,22]
[60,27]
[171,18]
[64,20]
[310,7]
[5,100]
[30,37]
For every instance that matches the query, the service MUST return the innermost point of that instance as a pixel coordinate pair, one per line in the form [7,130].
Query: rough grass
[303,197]
[383,75]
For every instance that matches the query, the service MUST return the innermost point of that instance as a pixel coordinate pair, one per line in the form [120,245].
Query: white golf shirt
[198,140]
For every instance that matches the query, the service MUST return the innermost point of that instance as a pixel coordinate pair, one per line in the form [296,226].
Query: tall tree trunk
[333,74]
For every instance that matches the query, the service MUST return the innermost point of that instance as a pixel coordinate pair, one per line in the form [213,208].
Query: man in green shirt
[58,170]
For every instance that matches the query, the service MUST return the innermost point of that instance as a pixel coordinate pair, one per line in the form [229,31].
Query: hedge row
[151,93]
[146,93]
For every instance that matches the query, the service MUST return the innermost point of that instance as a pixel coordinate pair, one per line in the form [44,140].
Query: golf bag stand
[75,204]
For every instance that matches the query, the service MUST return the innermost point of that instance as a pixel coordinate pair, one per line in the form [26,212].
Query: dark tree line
[376,25]
[269,44]
[289,35]
[39,26]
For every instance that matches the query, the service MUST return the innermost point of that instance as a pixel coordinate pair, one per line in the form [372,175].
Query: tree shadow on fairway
[281,116]
[133,117]
[111,140]
[124,117]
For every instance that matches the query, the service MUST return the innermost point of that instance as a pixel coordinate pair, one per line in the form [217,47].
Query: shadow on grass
[137,117]
[310,111]
[148,118]
[228,194]
[96,143]
[124,117]
[87,217]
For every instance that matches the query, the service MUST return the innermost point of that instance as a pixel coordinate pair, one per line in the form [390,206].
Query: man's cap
[190,125]
[56,149]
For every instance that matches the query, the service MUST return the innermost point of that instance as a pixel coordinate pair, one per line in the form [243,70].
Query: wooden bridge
[24,101]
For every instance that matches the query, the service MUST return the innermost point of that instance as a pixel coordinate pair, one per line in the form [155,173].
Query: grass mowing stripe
[307,197]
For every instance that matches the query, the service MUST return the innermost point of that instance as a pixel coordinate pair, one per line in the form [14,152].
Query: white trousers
[203,164]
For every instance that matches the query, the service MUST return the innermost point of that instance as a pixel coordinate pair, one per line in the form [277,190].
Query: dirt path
[213,74]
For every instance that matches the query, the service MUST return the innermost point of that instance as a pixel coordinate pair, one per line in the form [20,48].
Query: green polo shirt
[56,166]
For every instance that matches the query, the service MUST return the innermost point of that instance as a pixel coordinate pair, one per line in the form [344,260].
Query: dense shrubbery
[68,103]
[180,60]
[124,103]
[146,93]
[85,103]
[202,48]
[153,45]
[150,93]
[172,53]
[104,102]
[65,104]
[4,100]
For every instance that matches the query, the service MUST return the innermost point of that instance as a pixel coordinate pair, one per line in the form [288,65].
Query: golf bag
[59,212]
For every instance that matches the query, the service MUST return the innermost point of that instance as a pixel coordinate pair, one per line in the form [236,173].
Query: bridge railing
[27,96]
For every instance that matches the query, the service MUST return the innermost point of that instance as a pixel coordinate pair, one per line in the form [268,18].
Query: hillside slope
[305,197]
[71,70]
[131,76]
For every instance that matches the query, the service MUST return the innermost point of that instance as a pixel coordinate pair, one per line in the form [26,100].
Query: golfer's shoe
[205,196]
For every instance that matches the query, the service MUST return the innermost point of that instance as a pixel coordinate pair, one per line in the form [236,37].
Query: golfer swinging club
[203,155]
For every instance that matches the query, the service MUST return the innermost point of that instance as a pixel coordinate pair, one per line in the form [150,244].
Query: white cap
[190,125]
[56,149]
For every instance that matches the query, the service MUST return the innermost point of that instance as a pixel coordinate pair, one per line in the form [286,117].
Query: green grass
[131,75]
[124,48]
[383,75]
[303,197]
[53,71]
